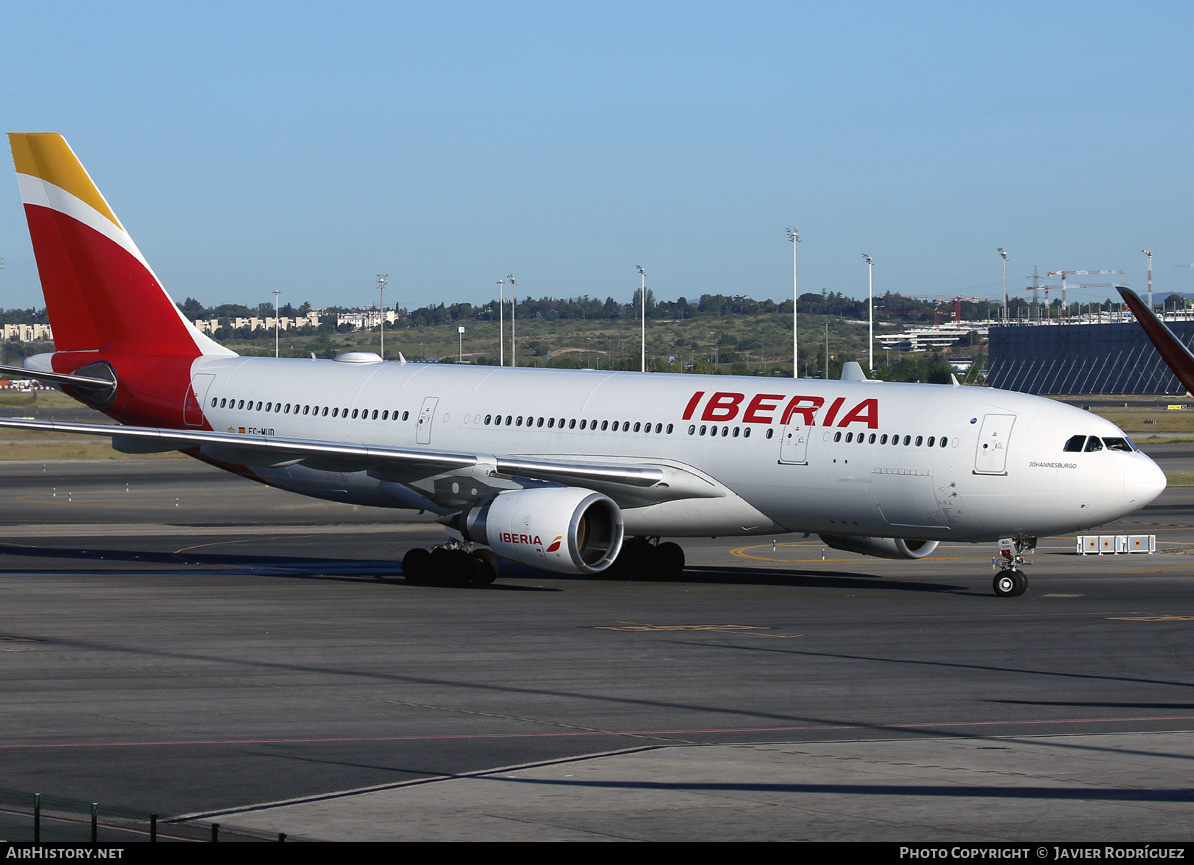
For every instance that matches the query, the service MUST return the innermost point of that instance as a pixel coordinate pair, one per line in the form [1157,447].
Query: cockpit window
[1074,445]
[1093,444]
[1117,444]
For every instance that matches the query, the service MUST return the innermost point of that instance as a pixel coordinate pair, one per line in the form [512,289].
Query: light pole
[794,237]
[643,297]
[513,326]
[460,345]
[1150,277]
[870,305]
[382,279]
[501,322]
[1004,255]
[276,293]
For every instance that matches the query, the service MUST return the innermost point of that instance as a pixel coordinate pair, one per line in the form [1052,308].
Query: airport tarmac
[196,644]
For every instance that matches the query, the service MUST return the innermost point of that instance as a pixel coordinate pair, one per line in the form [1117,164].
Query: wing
[1172,351]
[436,474]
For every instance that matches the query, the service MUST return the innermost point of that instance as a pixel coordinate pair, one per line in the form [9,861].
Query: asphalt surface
[197,644]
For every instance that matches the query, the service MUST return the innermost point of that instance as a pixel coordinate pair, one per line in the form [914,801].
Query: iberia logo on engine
[511,538]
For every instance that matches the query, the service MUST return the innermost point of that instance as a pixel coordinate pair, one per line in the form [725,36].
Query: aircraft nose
[1143,481]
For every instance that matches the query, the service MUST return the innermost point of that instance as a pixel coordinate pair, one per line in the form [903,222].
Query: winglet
[1175,354]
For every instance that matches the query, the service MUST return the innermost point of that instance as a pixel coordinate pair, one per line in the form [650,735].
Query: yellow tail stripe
[47,156]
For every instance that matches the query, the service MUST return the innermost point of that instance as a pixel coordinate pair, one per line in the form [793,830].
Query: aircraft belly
[350,487]
[728,515]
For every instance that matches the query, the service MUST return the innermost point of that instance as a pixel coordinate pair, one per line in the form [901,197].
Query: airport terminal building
[1081,358]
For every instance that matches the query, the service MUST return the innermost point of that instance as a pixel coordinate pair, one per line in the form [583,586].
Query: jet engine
[883,548]
[561,529]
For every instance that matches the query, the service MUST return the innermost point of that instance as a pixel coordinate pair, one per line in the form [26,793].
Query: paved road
[247,647]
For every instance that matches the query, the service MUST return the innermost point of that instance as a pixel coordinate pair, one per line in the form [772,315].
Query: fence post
[94,822]
[37,818]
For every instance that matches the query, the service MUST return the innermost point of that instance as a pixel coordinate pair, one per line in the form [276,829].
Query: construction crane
[1061,285]
[1064,273]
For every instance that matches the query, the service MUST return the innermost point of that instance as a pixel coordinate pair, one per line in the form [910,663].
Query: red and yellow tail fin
[101,294]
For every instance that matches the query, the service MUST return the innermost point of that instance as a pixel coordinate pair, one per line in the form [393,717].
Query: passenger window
[770,432]
[405,415]
[385,415]
[883,439]
[871,440]
[837,436]
[325,411]
[572,424]
[1074,445]
[907,440]
[735,432]
[214,401]
[932,440]
[703,429]
[375,414]
[849,437]
[919,440]
[692,429]
[604,425]
[746,433]
[1093,444]
[354,413]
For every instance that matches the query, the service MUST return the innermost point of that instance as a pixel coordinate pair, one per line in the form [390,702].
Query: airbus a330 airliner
[556,468]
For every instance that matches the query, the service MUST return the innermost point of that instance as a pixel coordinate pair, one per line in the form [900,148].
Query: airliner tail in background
[1175,354]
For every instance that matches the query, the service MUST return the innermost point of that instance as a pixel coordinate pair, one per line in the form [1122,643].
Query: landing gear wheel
[452,567]
[670,558]
[1010,584]
[487,567]
[416,567]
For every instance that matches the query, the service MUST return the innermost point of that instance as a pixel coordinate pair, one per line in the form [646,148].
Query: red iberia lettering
[722,406]
[796,406]
[761,402]
[866,412]
[833,410]
[692,404]
[511,538]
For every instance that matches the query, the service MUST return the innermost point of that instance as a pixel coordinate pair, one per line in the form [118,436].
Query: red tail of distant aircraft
[552,468]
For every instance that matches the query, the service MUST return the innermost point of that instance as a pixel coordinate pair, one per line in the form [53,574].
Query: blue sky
[307,147]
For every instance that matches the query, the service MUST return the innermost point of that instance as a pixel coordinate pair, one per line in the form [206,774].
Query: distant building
[1081,358]
[28,332]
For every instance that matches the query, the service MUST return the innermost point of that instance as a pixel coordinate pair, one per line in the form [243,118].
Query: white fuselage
[929,462]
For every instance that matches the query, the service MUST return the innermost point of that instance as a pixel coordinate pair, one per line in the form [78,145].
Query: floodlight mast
[1004,256]
[794,238]
[501,322]
[870,305]
[276,293]
[643,298]
[382,279]
[513,325]
[1150,277]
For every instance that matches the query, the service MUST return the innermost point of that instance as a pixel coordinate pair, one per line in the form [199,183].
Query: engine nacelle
[566,530]
[883,548]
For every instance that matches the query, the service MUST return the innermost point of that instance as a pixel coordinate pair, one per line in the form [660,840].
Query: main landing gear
[450,565]
[640,559]
[1011,582]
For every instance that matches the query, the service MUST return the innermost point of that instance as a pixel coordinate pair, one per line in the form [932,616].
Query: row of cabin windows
[908,441]
[315,411]
[725,431]
[1080,444]
[573,423]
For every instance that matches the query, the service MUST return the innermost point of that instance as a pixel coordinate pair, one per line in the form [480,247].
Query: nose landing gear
[1011,582]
